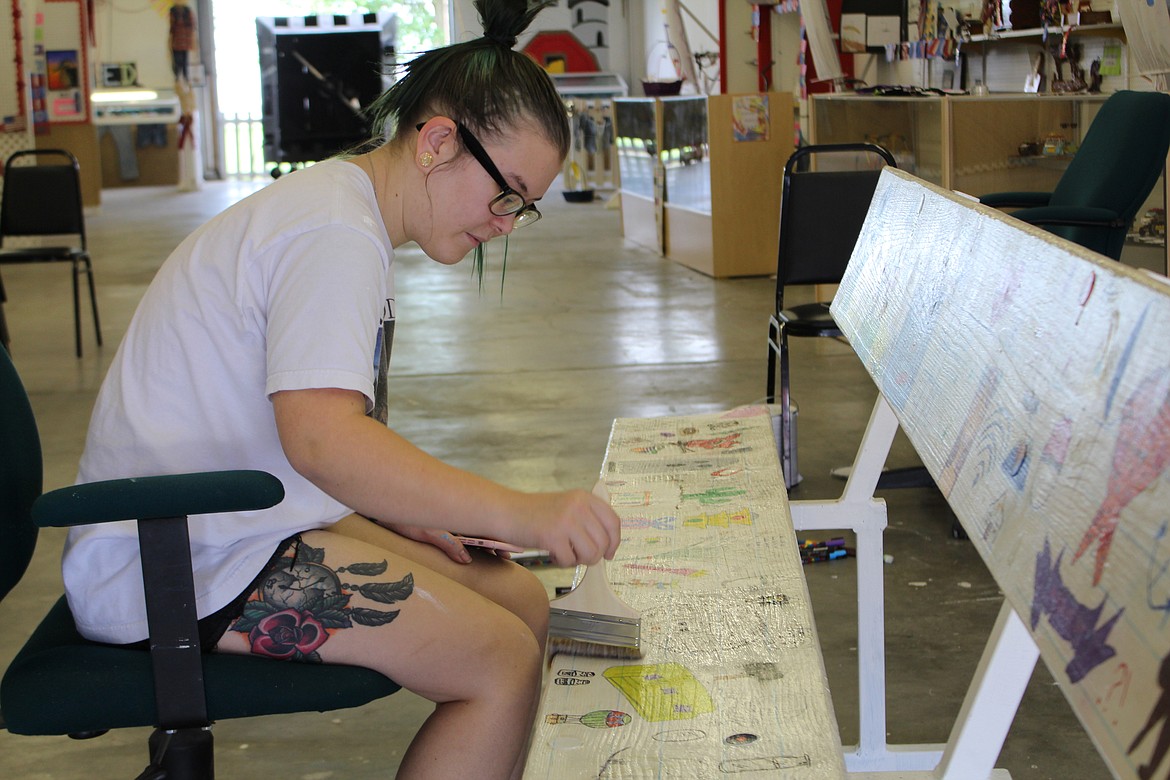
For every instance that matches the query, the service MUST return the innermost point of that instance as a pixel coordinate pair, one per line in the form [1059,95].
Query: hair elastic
[501,39]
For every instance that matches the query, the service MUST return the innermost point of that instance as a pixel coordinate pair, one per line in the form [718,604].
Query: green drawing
[716,495]
[598,719]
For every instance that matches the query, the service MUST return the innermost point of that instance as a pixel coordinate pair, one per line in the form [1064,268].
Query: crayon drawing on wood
[732,682]
[1033,378]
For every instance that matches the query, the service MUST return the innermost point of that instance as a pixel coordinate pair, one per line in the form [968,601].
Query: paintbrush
[590,619]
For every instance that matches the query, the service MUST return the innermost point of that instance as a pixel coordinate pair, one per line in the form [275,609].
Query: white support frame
[999,682]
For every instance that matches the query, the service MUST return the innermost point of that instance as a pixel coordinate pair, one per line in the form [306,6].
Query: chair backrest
[42,199]
[20,476]
[821,211]
[1119,160]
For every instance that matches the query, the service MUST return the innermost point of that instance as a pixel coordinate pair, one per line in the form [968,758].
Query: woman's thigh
[346,600]
[506,583]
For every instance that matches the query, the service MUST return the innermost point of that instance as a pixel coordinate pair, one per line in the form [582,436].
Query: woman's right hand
[576,527]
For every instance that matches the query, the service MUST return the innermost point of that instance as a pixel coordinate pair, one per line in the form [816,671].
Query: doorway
[239,148]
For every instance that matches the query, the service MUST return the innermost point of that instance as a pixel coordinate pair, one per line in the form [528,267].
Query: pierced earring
[425,159]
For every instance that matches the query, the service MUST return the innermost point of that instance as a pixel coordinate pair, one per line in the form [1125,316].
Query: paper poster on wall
[853,33]
[882,31]
[64,84]
[872,25]
[749,117]
[66,70]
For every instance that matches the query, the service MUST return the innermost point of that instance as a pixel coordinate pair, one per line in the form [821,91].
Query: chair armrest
[1073,216]
[161,505]
[143,498]
[1015,200]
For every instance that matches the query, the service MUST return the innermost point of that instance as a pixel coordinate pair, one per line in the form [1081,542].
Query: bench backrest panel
[1033,378]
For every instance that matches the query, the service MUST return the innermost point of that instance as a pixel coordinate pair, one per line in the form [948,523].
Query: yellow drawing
[661,691]
[741,516]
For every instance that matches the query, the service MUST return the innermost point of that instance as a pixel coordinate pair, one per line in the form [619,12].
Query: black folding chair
[822,208]
[44,201]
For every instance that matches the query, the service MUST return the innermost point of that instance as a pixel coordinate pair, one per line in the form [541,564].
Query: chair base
[894,479]
[181,754]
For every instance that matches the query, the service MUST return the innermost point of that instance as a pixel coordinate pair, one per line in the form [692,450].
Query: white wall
[135,32]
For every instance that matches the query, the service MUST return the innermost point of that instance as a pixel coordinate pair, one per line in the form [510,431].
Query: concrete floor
[522,387]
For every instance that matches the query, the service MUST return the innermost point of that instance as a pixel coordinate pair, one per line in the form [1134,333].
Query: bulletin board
[12,108]
[66,62]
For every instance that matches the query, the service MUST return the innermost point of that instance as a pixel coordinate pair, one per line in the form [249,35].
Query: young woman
[260,344]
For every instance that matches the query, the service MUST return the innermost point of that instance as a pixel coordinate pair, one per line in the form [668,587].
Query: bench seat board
[732,682]
[1033,379]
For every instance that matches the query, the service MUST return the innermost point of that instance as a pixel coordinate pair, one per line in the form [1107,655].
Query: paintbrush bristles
[562,644]
[591,620]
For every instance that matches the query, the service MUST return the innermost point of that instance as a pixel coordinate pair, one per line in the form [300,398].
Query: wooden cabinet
[972,144]
[1006,142]
[701,177]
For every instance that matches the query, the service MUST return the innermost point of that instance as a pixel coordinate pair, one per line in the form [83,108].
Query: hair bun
[504,20]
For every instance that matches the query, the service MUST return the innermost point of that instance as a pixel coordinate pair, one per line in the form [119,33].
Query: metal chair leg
[773,348]
[97,326]
[792,476]
[76,308]
[5,338]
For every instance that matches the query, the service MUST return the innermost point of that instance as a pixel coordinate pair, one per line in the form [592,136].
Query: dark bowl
[661,88]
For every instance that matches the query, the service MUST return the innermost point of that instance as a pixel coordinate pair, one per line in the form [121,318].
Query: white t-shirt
[286,290]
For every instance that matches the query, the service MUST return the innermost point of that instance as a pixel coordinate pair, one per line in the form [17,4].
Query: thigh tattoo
[300,602]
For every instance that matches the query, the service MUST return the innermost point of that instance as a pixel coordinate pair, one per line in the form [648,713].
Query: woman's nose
[504,225]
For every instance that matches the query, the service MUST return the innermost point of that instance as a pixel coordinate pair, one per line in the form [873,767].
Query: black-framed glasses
[508,201]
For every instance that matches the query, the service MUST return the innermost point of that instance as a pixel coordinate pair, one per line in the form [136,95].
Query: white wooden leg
[992,700]
[859,511]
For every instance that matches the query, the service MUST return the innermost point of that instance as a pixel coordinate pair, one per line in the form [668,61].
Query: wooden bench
[1033,379]
[709,557]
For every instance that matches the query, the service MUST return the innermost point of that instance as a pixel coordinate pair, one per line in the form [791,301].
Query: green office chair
[1111,175]
[60,683]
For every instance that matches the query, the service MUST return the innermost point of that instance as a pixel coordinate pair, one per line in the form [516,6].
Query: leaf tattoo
[372,617]
[387,592]
[333,618]
[307,554]
[365,569]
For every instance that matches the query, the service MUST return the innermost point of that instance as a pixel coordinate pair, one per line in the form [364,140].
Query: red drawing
[727,442]
[1141,454]
[1117,693]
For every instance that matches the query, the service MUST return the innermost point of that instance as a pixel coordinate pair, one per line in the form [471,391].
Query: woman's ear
[437,142]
